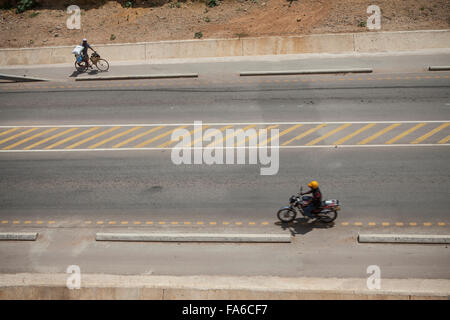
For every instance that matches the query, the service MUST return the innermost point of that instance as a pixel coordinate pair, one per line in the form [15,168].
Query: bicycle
[82,66]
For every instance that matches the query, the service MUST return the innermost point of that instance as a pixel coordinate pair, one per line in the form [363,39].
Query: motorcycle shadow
[303,226]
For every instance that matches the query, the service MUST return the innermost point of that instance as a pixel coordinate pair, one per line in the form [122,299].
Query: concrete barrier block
[193,49]
[401,40]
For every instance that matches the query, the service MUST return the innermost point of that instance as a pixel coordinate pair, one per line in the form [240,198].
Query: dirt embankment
[112,22]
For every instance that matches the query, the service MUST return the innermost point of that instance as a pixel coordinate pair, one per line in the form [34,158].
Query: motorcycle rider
[85,55]
[316,198]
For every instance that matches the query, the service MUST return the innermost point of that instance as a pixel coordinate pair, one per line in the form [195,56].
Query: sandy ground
[112,23]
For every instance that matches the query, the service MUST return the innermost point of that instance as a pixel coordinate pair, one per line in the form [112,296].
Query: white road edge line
[216,124]
[242,147]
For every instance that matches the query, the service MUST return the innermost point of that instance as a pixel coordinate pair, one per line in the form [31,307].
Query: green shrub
[212,3]
[198,35]
[25,5]
[112,37]
[362,24]
[129,4]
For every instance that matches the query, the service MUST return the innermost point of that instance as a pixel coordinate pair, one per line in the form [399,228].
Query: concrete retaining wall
[322,43]
[53,286]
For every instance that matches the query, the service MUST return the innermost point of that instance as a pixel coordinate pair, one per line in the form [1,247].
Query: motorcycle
[327,212]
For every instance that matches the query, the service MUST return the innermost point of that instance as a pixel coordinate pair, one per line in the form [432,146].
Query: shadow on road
[303,226]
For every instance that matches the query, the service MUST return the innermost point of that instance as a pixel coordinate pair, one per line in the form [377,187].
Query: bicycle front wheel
[102,65]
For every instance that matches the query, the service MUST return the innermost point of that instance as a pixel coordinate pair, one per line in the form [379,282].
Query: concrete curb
[439,68]
[316,71]
[404,238]
[23,236]
[207,48]
[20,78]
[193,237]
[152,287]
[131,77]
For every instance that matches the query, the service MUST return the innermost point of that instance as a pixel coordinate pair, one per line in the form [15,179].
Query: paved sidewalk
[210,67]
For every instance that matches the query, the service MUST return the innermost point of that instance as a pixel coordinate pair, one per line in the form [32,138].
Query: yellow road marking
[76,144]
[212,223]
[243,141]
[27,222]
[372,224]
[137,137]
[16,222]
[379,133]
[8,131]
[366,127]
[399,224]
[358,224]
[345,223]
[4,221]
[251,223]
[162,135]
[18,135]
[113,137]
[264,223]
[225,223]
[441,224]
[403,134]
[149,222]
[136,222]
[427,224]
[187,222]
[200,222]
[51,222]
[174,222]
[209,135]
[162,222]
[88,222]
[385,224]
[29,138]
[71,138]
[99,222]
[313,142]
[445,140]
[413,224]
[304,134]
[165,144]
[49,138]
[238,223]
[429,134]
[124,222]
[39,222]
[282,133]
[227,137]
[112,222]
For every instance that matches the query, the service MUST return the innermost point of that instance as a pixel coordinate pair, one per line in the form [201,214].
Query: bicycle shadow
[76,73]
[302,226]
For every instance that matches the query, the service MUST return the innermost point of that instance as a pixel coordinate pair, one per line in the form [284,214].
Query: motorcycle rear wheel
[328,217]
[286,215]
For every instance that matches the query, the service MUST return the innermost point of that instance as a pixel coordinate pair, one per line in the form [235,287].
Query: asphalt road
[390,184]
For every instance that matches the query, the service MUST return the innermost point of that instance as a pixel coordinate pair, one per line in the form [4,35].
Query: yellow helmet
[313,184]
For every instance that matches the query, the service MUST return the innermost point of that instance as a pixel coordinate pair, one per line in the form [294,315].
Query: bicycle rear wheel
[102,65]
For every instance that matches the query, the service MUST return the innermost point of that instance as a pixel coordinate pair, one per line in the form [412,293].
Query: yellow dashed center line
[29,138]
[49,138]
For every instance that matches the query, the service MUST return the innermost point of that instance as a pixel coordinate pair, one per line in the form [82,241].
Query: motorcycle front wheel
[286,215]
[328,217]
